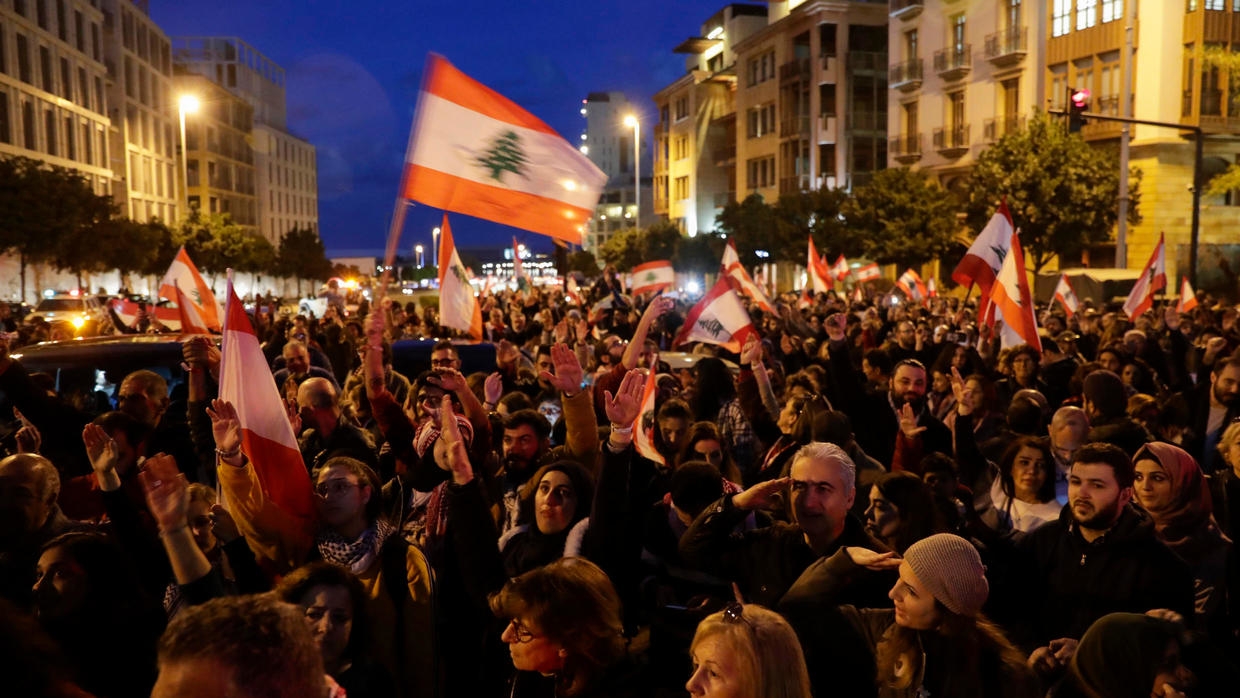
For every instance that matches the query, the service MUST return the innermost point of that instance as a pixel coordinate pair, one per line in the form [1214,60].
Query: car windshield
[50,304]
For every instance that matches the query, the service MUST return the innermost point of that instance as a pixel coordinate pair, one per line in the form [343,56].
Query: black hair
[1107,454]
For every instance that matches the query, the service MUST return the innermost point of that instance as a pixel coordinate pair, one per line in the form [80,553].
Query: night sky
[354,68]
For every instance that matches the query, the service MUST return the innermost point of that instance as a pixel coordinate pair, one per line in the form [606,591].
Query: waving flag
[981,263]
[741,279]
[643,428]
[719,318]
[191,321]
[185,274]
[458,308]
[840,269]
[1188,299]
[1152,280]
[518,269]
[266,435]
[1066,296]
[932,287]
[869,272]
[1013,301]
[912,286]
[573,291]
[653,276]
[819,272]
[473,151]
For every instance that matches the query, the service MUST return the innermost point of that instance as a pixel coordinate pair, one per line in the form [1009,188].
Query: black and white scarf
[359,554]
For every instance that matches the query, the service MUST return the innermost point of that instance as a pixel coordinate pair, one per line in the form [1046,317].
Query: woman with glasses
[747,650]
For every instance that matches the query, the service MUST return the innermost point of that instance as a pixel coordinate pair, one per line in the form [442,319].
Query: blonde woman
[747,651]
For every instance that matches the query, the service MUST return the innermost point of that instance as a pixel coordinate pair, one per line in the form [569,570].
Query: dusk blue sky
[354,68]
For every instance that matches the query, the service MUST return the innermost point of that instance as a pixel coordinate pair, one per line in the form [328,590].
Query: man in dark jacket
[765,562]
[1100,557]
[1106,404]
[1213,407]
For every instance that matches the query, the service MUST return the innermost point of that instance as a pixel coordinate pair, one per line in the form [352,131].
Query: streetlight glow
[435,245]
[418,250]
[186,104]
[632,122]
[189,104]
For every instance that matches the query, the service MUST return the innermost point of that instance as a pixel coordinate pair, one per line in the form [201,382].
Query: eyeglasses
[443,363]
[521,633]
[334,488]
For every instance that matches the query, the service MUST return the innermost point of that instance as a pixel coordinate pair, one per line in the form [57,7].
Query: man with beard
[1106,405]
[1213,407]
[1102,556]
[876,414]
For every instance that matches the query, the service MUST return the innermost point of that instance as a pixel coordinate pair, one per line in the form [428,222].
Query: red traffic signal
[1079,103]
[1080,99]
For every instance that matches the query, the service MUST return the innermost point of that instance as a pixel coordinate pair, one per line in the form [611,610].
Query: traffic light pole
[1198,153]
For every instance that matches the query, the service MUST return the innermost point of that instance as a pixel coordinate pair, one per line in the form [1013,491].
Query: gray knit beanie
[951,569]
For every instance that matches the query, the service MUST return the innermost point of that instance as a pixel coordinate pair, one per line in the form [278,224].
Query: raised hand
[751,353]
[834,326]
[451,379]
[624,407]
[964,404]
[166,490]
[908,422]
[762,495]
[225,425]
[28,439]
[568,372]
[100,449]
[493,388]
[450,434]
[223,525]
[560,332]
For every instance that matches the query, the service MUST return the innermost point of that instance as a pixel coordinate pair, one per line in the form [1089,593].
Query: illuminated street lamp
[632,122]
[435,245]
[418,250]
[187,104]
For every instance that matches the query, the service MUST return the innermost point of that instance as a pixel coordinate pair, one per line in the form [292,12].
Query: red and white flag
[574,291]
[981,263]
[742,281]
[932,287]
[474,151]
[911,284]
[653,276]
[518,269]
[191,321]
[1066,296]
[266,436]
[1188,299]
[458,307]
[719,318]
[819,271]
[183,273]
[1152,280]
[1013,301]
[869,272]
[643,428]
[840,269]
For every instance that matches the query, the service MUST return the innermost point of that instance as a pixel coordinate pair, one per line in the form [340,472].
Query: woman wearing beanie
[935,642]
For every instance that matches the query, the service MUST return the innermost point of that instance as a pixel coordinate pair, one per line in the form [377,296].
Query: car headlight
[78,321]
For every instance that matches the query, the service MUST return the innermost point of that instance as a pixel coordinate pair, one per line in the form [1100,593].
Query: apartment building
[145,137]
[285,166]
[53,101]
[695,157]
[608,142]
[811,98]
[219,161]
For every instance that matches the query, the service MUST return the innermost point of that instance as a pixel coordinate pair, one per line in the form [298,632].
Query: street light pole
[632,121]
[187,104]
[435,245]
[418,249]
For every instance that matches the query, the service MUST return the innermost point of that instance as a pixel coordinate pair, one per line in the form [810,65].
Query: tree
[700,254]
[1063,193]
[817,213]
[904,217]
[301,255]
[750,224]
[583,261]
[624,249]
[660,241]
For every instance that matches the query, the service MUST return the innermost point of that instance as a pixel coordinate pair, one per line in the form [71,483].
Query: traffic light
[1078,104]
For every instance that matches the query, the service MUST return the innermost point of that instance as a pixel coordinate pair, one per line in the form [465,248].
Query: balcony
[1008,47]
[905,76]
[794,127]
[794,184]
[905,9]
[793,71]
[905,149]
[826,128]
[994,129]
[952,142]
[953,63]
[866,120]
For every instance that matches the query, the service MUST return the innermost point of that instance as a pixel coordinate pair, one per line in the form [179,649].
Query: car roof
[125,350]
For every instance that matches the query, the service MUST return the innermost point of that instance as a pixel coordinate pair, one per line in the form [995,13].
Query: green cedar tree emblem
[505,155]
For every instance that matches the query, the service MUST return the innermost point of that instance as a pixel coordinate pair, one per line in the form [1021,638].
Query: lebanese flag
[805,300]
[1013,301]
[266,435]
[840,269]
[819,272]
[912,286]
[1152,280]
[742,281]
[643,435]
[1066,296]
[869,272]
[458,308]
[183,273]
[474,151]
[719,318]
[932,288]
[981,263]
[1188,299]
[653,276]
[191,321]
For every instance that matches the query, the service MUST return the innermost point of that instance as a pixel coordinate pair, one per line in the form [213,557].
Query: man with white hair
[818,493]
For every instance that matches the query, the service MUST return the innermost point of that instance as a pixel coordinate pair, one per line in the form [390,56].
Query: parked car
[83,313]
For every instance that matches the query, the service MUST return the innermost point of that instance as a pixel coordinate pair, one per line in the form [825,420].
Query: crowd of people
[870,498]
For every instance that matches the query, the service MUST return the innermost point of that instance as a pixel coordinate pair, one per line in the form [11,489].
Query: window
[760,172]
[84,89]
[1086,14]
[910,44]
[69,144]
[1216,5]
[1112,10]
[955,110]
[49,126]
[826,159]
[40,10]
[680,149]
[6,134]
[1012,16]
[45,68]
[761,121]
[62,24]
[4,63]
[957,33]
[28,131]
[910,119]
[1011,97]
[680,188]
[23,60]
[826,98]
[88,150]
[682,108]
[79,31]
[66,80]
[1061,14]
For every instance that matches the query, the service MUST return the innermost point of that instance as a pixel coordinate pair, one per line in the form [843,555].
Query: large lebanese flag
[819,273]
[643,435]
[474,151]
[741,279]
[911,285]
[191,321]
[266,435]
[458,307]
[1066,296]
[719,318]
[1152,280]
[869,272]
[653,276]
[183,273]
[1013,301]
[981,263]
[840,269]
